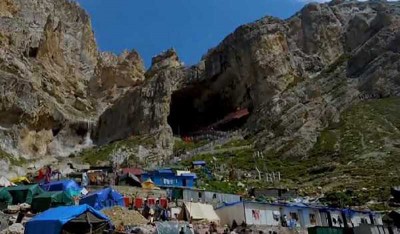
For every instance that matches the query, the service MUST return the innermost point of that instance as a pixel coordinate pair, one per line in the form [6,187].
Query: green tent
[5,198]
[47,200]
[24,193]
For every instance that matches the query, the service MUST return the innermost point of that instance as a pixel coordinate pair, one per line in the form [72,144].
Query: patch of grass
[103,153]
[10,158]
[182,146]
[338,62]
[236,143]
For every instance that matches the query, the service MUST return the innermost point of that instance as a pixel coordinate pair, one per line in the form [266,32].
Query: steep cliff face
[48,58]
[145,109]
[47,55]
[299,74]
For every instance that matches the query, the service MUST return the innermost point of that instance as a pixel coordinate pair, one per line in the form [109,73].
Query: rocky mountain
[303,79]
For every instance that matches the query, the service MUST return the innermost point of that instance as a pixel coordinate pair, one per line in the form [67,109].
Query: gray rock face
[48,57]
[145,109]
[296,75]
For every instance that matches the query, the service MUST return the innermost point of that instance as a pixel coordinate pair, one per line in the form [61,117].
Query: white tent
[4,182]
[199,211]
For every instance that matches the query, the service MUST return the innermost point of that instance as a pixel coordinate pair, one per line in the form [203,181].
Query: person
[234,224]
[146,210]
[48,174]
[157,210]
[190,226]
[284,221]
[182,231]
[20,216]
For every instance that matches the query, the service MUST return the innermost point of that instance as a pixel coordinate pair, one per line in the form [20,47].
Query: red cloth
[151,201]
[41,174]
[127,202]
[163,202]
[138,202]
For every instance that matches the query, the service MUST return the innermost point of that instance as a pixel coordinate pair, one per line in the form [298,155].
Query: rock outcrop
[52,76]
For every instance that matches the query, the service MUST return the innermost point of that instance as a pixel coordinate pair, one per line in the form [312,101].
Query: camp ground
[24,193]
[68,186]
[46,200]
[68,219]
[103,198]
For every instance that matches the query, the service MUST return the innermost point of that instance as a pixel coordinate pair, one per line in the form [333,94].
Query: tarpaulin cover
[5,196]
[68,186]
[103,198]
[199,211]
[52,220]
[46,200]
[20,180]
[24,193]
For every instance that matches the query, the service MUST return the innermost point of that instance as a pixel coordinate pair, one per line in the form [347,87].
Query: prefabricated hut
[213,198]
[46,200]
[103,198]
[24,193]
[68,219]
[257,213]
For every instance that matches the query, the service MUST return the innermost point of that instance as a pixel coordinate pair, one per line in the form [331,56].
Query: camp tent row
[58,193]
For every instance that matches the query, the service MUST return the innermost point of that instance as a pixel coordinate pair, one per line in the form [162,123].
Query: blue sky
[190,26]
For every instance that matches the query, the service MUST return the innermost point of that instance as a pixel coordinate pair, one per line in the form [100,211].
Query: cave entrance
[196,109]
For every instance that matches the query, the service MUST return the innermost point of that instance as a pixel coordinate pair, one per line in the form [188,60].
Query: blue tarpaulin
[52,220]
[69,186]
[103,198]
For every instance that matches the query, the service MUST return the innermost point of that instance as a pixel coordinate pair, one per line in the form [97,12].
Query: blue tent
[69,186]
[67,218]
[103,198]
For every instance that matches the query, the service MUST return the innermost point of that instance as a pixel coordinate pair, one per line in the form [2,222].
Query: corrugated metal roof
[199,163]
[134,171]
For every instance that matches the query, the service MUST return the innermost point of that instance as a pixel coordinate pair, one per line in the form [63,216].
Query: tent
[20,180]
[4,182]
[103,198]
[24,193]
[149,184]
[199,212]
[68,219]
[68,186]
[5,198]
[47,200]
[129,179]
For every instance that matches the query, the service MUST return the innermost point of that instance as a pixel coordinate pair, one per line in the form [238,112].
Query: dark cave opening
[194,109]
[33,52]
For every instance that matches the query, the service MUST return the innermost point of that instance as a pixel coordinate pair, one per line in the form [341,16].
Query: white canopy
[200,211]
